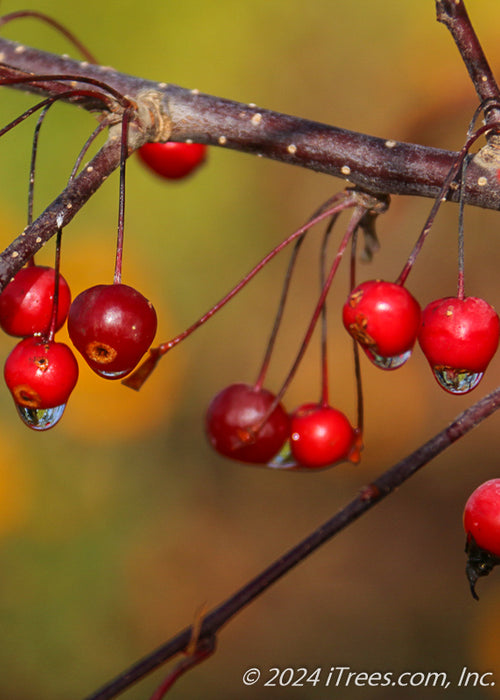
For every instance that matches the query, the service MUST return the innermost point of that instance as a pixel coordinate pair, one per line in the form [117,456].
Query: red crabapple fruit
[112,326]
[459,337]
[26,303]
[40,374]
[385,319]
[172,160]
[482,526]
[234,424]
[320,436]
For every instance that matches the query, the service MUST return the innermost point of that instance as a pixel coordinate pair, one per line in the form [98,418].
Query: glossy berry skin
[112,326]
[40,373]
[232,416]
[461,334]
[320,436]
[173,160]
[482,516]
[26,302]
[385,319]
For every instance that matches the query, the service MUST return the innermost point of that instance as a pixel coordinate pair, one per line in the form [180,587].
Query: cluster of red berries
[112,325]
[458,337]
[249,424]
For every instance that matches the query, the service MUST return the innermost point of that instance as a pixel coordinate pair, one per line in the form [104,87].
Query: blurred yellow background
[119,523]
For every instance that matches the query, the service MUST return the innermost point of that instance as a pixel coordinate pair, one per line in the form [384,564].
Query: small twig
[372,494]
[453,14]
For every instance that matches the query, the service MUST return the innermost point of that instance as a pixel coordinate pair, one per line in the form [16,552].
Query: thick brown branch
[386,484]
[374,164]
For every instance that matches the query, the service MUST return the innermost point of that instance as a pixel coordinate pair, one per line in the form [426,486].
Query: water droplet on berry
[40,418]
[388,362]
[457,381]
[284,458]
[111,375]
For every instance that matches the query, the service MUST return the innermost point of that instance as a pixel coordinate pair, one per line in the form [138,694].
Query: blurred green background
[116,526]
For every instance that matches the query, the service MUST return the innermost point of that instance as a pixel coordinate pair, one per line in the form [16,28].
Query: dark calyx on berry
[480,562]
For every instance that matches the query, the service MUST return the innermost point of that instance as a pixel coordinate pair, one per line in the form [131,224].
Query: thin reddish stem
[284,294]
[360,412]
[99,128]
[29,79]
[324,401]
[55,300]
[34,151]
[21,14]
[442,197]
[279,315]
[136,379]
[461,240]
[357,215]
[204,650]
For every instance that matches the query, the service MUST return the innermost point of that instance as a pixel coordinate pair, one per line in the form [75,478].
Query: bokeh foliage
[118,524]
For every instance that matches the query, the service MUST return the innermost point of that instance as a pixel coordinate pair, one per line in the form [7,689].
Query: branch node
[152,120]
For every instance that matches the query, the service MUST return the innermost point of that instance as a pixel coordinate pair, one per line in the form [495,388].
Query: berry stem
[284,294]
[100,127]
[441,198]
[34,151]
[121,200]
[135,380]
[165,347]
[205,648]
[279,315]
[461,238]
[324,401]
[355,345]
[55,299]
[18,78]
[356,217]
[53,23]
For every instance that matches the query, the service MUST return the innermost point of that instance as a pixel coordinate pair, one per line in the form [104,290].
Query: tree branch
[164,111]
[372,494]
[454,15]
